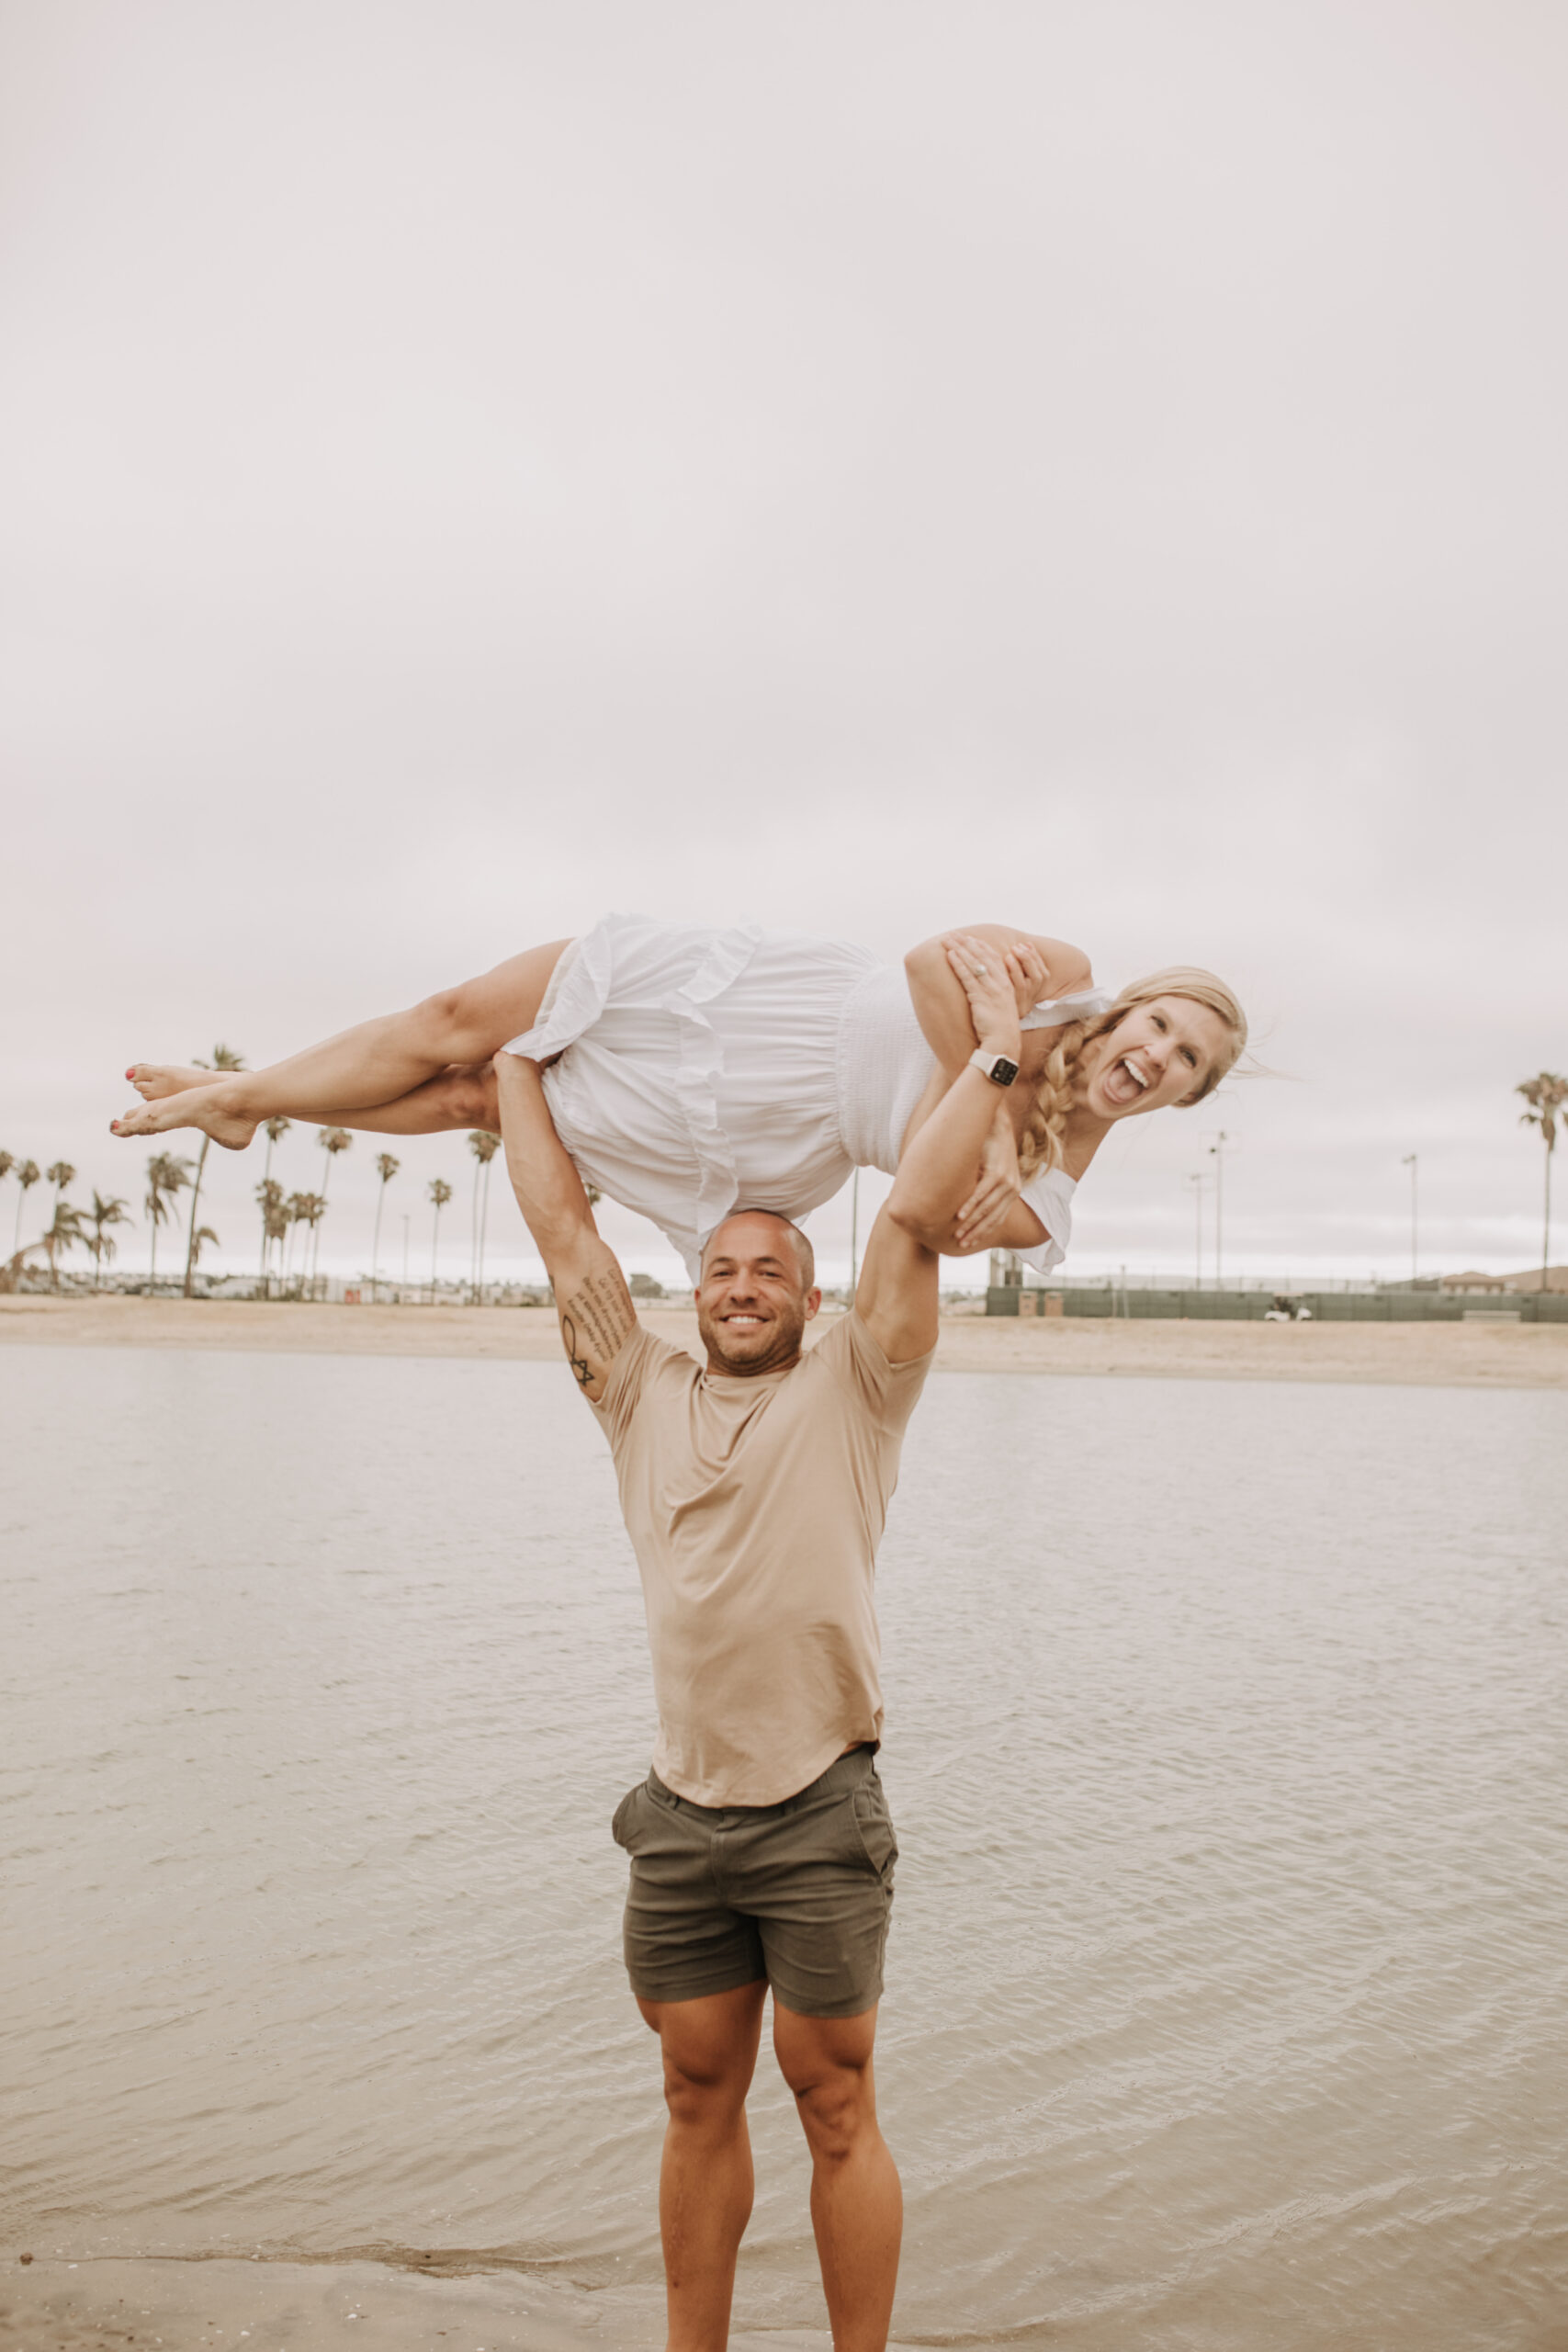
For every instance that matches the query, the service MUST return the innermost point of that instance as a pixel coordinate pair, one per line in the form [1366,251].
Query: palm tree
[269,1199]
[166,1175]
[61,1176]
[386,1168]
[100,1216]
[484,1146]
[1546,1093]
[26,1177]
[333,1140]
[221,1060]
[64,1234]
[204,1233]
[307,1209]
[440,1192]
[7,1161]
[273,1129]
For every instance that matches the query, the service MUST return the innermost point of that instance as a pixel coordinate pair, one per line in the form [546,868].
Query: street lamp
[1217,1153]
[1197,1181]
[1409,1161]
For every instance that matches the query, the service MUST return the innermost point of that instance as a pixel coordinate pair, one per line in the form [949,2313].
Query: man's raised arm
[597,1316]
[897,1295]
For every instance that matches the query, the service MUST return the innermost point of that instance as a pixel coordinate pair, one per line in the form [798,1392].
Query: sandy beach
[1461,1355]
[49,2304]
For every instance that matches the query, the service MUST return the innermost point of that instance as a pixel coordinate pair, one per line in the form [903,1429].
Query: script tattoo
[593,1323]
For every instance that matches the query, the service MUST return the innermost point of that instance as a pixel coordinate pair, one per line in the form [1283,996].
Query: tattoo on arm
[595,1322]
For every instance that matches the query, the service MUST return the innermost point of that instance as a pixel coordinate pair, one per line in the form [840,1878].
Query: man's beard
[782,1337]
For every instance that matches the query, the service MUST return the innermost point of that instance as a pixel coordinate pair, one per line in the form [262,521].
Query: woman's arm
[1051,967]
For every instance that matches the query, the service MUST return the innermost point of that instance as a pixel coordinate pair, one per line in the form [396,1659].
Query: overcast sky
[867,466]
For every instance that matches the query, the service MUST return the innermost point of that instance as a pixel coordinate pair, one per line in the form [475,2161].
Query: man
[755,1490]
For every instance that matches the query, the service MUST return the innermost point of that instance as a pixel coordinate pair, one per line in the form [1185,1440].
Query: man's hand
[597,1316]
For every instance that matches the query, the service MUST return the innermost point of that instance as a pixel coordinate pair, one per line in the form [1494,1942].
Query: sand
[1463,1355]
[54,2304]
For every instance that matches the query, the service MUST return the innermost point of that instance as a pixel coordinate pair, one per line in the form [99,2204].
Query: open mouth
[1125,1082]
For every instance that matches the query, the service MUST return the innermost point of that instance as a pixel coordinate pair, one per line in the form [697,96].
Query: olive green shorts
[798,1892]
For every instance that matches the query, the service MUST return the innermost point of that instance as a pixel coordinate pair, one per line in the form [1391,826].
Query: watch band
[1001,1068]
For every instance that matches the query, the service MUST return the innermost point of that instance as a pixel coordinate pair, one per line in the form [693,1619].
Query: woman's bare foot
[154,1081]
[208,1107]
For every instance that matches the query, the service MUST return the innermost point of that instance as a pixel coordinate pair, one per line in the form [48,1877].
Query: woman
[688,1069]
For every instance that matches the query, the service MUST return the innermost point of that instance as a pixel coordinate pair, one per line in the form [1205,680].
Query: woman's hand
[994,982]
[984,1213]
[1031,980]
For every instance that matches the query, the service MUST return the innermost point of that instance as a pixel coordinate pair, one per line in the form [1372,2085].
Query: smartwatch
[996,1066]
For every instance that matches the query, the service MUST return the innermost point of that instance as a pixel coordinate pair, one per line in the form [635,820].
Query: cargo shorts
[799,1893]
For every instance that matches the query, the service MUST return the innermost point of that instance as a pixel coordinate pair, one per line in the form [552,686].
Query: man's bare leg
[379,1063]
[704,2182]
[857,2205]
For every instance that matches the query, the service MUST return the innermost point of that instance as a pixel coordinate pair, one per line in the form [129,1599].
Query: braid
[1041,1145]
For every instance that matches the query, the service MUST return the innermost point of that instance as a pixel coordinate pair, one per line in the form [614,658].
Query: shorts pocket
[874,1827]
[622,1825]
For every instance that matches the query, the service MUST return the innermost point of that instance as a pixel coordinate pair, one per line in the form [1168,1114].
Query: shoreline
[1446,1355]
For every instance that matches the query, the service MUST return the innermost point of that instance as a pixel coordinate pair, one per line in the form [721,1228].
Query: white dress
[707,1070]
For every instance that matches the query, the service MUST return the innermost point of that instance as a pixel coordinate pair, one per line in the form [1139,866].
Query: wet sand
[105,2305]
[1461,1355]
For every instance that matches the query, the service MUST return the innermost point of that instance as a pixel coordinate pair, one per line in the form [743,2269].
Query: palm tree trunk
[435,1230]
[153,1263]
[376,1247]
[1546,1224]
[195,1198]
[484,1221]
[267,1173]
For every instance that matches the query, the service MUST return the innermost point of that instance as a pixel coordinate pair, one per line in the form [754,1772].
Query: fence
[1252,1305]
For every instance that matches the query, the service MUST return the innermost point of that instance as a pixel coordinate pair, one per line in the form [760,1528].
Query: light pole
[1409,1161]
[1217,1153]
[1197,1183]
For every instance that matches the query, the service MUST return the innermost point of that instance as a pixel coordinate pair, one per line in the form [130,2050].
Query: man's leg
[704,2182]
[857,2206]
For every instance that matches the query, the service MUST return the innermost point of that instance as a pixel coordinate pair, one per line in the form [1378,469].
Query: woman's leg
[372,1067]
[457,1099]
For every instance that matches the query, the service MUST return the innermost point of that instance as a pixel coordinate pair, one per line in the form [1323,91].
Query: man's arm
[597,1316]
[896,1297]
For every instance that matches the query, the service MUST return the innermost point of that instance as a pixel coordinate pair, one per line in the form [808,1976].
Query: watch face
[1004,1071]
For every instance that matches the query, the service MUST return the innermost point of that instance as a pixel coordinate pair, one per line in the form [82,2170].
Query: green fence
[1252,1305]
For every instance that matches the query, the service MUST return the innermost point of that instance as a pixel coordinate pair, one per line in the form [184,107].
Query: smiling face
[754,1300]
[1158,1053]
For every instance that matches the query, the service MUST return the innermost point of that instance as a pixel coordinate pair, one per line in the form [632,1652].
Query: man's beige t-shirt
[755,1507]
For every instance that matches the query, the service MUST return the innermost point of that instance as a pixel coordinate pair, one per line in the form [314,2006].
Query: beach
[1443,1355]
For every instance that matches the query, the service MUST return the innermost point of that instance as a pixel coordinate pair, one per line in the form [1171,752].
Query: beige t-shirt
[755,1507]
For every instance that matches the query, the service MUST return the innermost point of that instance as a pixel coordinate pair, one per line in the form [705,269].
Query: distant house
[1502,1284]
[1556,1279]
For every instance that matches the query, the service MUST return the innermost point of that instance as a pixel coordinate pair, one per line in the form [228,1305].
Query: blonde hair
[1042,1143]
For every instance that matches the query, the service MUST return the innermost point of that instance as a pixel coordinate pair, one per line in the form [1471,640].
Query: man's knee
[837,2110]
[827,2063]
[709,2048]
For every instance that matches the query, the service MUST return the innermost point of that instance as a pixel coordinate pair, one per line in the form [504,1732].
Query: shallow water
[1227,1990]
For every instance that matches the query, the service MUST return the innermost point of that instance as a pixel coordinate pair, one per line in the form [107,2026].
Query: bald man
[755,1487]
